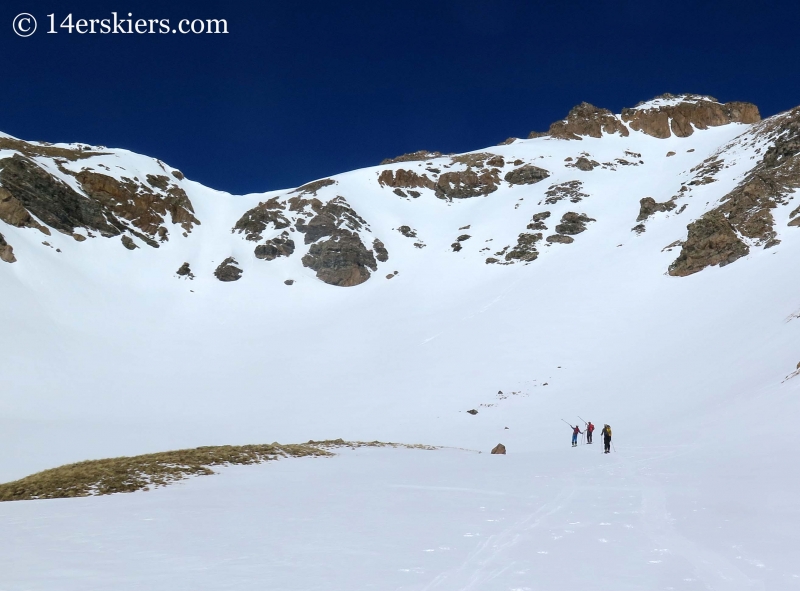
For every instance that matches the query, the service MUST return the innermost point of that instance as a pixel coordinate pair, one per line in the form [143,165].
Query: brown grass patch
[129,474]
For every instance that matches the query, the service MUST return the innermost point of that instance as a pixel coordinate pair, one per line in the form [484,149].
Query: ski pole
[570,426]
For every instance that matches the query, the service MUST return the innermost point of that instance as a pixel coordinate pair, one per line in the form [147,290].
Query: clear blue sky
[300,90]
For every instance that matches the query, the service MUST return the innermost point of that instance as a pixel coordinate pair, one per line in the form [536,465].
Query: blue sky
[297,91]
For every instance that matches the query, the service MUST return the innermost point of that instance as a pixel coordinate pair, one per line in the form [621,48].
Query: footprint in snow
[603,541]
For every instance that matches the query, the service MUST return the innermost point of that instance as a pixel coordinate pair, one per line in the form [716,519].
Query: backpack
[608,430]
[591,427]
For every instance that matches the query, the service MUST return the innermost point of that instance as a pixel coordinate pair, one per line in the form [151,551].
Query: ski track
[479,567]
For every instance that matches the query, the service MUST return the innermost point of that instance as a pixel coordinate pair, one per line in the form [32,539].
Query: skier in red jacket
[589,431]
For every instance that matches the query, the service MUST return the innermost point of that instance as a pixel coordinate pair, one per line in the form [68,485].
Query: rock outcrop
[648,206]
[573,223]
[467,183]
[341,260]
[525,249]
[682,114]
[280,246]
[185,271]
[418,156]
[587,120]
[746,211]
[404,179]
[526,175]
[6,251]
[260,218]
[51,200]
[711,241]
[499,449]
[228,270]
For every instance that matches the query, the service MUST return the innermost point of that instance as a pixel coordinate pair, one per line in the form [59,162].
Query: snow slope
[108,352]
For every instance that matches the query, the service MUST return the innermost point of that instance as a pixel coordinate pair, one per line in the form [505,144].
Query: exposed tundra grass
[129,474]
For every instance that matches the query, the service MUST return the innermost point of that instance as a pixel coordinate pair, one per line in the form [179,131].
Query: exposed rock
[746,210]
[499,448]
[568,189]
[289,282]
[463,237]
[682,114]
[492,260]
[341,260]
[280,246]
[407,231]
[13,212]
[496,161]
[456,246]
[537,221]
[405,179]
[330,218]
[670,154]
[128,243]
[573,223]
[587,120]
[638,228]
[648,206]
[559,239]
[584,164]
[508,141]
[525,249]
[228,271]
[472,411]
[258,219]
[534,134]
[34,149]
[477,159]
[711,241]
[6,251]
[178,174]
[419,155]
[526,175]
[135,202]
[314,186]
[50,200]
[380,251]
[185,271]
[466,184]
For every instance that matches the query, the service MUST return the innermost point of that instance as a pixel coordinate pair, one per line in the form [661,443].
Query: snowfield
[107,352]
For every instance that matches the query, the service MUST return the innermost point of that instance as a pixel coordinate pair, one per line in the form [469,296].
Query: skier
[575,432]
[589,431]
[606,433]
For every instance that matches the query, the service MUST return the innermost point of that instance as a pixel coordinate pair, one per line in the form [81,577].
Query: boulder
[341,260]
[526,175]
[228,271]
[499,448]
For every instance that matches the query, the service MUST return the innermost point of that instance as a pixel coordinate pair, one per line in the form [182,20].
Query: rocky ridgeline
[31,196]
[69,189]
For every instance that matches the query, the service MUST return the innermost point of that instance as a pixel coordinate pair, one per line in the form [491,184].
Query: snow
[106,352]
[411,519]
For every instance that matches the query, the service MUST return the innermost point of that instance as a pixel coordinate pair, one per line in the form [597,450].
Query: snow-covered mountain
[634,268]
